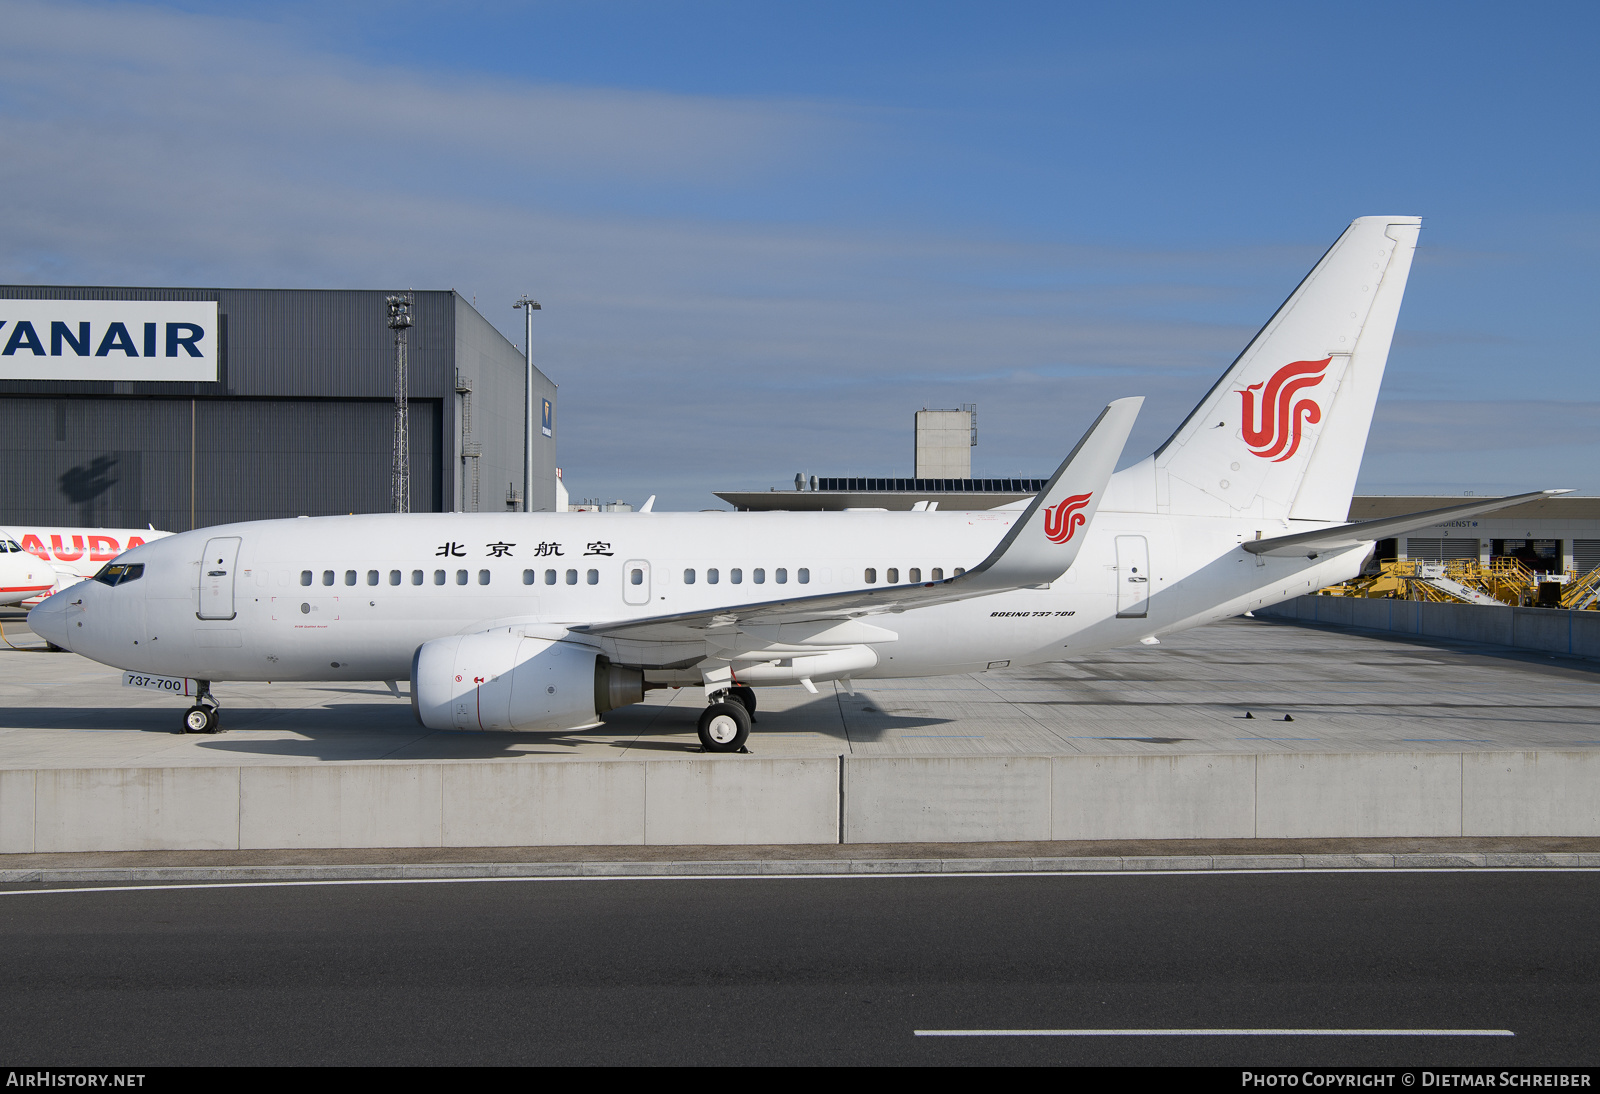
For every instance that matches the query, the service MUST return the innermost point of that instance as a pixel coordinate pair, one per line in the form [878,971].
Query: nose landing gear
[205,715]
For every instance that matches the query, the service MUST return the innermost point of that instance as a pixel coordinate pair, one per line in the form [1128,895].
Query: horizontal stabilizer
[1337,538]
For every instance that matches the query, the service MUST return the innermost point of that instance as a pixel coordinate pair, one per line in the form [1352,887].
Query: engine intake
[506,681]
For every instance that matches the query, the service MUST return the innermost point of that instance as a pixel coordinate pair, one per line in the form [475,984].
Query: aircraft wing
[1320,540]
[1039,548]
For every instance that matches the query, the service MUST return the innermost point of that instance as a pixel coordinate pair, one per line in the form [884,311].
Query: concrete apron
[738,800]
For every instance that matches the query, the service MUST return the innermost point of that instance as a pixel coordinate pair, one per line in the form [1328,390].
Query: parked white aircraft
[22,576]
[546,621]
[73,554]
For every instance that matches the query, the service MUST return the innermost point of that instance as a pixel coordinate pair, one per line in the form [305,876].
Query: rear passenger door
[1133,577]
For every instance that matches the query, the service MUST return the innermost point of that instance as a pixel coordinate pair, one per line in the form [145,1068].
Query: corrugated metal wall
[126,462]
[498,374]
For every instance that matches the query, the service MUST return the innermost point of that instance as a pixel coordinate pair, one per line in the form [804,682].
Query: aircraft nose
[49,620]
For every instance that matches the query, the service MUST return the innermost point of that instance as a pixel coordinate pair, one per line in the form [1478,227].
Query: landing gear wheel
[747,696]
[724,727]
[200,719]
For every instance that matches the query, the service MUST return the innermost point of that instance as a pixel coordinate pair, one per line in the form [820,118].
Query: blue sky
[765,234]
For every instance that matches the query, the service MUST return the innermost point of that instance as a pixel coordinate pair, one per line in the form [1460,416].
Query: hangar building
[181,408]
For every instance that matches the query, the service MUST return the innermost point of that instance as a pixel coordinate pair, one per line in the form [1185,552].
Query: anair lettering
[1065,518]
[149,340]
[1274,433]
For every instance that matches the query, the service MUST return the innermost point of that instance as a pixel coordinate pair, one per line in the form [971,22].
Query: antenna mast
[399,322]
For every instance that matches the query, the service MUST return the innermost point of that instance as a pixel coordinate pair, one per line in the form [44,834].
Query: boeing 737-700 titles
[546,621]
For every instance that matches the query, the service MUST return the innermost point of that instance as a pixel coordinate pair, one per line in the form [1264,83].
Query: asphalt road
[744,971]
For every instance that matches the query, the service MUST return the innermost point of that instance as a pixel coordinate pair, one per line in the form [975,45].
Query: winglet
[1043,543]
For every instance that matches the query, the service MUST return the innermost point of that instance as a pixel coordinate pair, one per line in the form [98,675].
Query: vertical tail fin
[1282,433]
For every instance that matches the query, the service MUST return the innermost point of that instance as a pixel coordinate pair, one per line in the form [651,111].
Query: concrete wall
[738,800]
[1549,629]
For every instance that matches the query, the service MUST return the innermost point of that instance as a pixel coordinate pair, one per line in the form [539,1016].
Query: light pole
[529,306]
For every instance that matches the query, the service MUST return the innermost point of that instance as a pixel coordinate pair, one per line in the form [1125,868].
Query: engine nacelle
[508,681]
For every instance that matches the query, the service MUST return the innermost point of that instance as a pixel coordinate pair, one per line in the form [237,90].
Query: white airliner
[22,576]
[72,554]
[546,621]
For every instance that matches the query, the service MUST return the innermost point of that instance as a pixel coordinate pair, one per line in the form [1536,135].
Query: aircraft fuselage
[351,598]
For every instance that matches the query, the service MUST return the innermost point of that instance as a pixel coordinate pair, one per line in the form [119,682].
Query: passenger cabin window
[871,576]
[688,577]
[327,577]
[349,577]
[914,574]
[438,577]
[394,577]
[636,577]
[305,577]
[936,574]
[119,573]
[893,575]
[549,577]
[416,577]
[782,576]
[483,577]
[572,577]
[461,577]
[736,576]
[529,577]
[804,575]
[959,570]
[759,577]
[711,576]
[372,577]
[594,577]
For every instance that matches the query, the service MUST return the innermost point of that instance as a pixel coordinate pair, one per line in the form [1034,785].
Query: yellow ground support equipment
[1468,581]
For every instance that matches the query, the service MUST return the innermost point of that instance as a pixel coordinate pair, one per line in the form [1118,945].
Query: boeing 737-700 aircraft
[547,621]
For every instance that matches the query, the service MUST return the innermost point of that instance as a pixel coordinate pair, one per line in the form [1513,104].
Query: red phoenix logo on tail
[1061,520]
[1275,435]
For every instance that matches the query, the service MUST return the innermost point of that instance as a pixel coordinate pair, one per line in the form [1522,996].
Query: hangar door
[1133,577]
[216,578]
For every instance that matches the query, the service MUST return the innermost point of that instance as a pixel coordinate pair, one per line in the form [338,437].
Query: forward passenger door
[217,568]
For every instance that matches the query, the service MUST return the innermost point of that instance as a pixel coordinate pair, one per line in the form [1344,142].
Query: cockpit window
[119,573]
[10,546]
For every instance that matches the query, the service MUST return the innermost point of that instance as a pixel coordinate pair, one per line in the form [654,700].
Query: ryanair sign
[109,340]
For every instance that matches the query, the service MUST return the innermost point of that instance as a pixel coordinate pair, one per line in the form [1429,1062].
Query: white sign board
[172,685]
[108,340]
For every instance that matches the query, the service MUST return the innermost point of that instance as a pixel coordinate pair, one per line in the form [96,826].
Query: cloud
[137,83]
[1468,425]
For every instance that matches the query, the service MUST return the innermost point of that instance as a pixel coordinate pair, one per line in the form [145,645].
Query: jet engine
[508,681]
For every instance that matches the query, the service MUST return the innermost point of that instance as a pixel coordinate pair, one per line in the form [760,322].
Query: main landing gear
[205,715]
[725,724]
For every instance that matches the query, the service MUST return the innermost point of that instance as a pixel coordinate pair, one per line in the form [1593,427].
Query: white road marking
[90,887]
[1214,1033]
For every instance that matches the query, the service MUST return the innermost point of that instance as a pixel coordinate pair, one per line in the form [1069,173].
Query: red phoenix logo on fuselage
[1062,519]
[1275,435]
